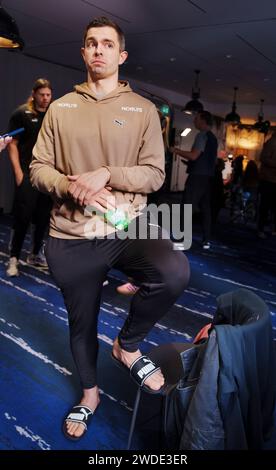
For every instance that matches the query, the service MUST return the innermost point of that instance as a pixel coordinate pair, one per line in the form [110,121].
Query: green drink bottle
[117,218]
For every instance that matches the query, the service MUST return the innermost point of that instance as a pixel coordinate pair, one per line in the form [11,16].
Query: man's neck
[102,87]
[40,110]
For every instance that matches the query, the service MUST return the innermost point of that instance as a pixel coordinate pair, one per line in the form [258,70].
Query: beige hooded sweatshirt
[81,133]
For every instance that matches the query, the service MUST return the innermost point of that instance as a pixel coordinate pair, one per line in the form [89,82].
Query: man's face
[101,54]
[42,98]
[197,121]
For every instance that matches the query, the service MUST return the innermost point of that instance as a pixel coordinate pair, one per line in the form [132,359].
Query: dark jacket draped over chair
[226,397]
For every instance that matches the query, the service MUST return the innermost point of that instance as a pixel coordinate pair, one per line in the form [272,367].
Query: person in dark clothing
[235,187]
[250,180]
[29,205]
[237,174]
[201,168]
[217,191]
[267,186]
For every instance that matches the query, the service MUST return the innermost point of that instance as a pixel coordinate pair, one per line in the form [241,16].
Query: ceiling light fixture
[194,106]
[233,117]
[9,33]
[261,125]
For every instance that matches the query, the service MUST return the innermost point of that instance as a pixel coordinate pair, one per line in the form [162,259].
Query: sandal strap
[73,420]
[80,414]
[142,368]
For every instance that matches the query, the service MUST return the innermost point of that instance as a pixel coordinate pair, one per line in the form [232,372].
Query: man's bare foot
[91,399]
[154,382]
[127,289]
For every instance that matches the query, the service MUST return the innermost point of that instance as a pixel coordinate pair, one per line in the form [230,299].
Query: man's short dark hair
[103,21]
[207,117]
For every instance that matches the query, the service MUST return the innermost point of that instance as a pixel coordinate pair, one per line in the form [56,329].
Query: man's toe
[79,431]
[75,429]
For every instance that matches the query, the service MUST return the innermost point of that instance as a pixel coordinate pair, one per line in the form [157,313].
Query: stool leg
[133,419]
[163,428]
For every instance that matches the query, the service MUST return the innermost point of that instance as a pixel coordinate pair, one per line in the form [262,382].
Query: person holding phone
[4,141]
[30,205]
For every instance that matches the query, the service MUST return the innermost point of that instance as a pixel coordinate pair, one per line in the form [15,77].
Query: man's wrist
[108,174]
[18,173]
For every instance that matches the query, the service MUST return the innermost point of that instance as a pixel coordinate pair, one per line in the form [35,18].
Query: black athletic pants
[29,206]
[80,267]
[198,193]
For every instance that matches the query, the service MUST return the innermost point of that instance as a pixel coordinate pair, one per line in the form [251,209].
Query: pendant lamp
[233,117]
[9,33]
[194,106]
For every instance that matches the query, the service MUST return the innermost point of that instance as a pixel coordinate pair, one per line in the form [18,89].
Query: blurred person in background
[267,186]
[30,205]
[201,169]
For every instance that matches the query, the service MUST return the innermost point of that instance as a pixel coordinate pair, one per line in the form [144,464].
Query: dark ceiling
[231,42]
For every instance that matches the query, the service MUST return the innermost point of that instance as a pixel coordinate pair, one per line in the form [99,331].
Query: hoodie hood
[84,90]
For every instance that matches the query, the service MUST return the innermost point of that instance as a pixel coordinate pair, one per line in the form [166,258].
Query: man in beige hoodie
[101,147]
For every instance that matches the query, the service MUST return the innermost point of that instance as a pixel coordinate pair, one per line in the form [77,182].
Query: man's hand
[4,141]
[83,187]
[189,155]
[103,200]
[177,151]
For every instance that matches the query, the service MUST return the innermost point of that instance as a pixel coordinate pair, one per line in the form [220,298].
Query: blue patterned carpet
[38,379]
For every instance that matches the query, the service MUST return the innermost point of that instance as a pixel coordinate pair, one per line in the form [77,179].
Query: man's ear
[82,52]
[123,57]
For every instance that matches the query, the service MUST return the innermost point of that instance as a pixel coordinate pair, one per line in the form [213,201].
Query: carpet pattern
[39,381]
